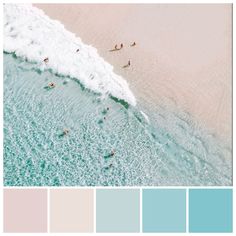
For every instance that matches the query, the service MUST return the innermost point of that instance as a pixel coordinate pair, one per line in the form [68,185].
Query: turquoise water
[171,150]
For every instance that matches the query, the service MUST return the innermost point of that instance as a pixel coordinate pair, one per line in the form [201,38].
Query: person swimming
[121,45]
[108,167]
[65,131]
[51,85]
[46,60]
[112,153]
[133,44]
[77,50]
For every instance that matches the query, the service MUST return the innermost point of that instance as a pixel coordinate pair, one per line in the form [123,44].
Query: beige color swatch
[71,210]
[25,210]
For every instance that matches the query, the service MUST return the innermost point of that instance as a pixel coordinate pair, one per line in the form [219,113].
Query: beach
[154,112]
[183,53]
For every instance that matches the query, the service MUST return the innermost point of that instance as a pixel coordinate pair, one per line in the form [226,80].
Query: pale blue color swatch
[117,210]
[164,210]
[210,210]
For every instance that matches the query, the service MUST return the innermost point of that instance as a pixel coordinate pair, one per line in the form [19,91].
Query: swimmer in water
[65,131]
[133,44]
[46,60]
[113,152]
[51,85]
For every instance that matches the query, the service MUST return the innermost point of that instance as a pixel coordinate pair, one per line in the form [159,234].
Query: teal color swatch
[164,210]
[117,210]
[210,210]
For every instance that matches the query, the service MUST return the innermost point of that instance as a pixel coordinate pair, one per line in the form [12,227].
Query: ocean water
[153,144]
[30,34]
[168,148]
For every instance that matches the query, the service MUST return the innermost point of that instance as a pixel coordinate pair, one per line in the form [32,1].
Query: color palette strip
[117,210]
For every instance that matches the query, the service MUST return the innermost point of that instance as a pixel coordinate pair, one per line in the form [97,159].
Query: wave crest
[30,34]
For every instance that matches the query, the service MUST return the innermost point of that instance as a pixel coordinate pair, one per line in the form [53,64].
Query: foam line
[30,34]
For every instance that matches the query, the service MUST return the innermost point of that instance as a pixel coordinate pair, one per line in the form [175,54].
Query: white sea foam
[145,116]
[30,34]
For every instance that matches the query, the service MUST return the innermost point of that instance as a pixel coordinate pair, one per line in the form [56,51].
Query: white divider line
[141,209]
[118,187]
[94,210]
[187,211]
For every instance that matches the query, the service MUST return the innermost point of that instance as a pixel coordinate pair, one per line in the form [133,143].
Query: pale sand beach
[183,53]
[163,120]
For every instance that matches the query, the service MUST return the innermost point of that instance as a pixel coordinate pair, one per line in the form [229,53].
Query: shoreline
[170,153]
[176,57]
[48,44]
[55,129]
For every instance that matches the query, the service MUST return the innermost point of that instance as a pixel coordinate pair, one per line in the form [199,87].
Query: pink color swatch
[25,210]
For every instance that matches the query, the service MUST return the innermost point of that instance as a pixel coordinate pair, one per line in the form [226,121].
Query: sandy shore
[183,52]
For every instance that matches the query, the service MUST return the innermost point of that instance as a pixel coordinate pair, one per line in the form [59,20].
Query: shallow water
[170,150]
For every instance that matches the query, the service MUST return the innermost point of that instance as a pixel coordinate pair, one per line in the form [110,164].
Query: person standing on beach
[127,65]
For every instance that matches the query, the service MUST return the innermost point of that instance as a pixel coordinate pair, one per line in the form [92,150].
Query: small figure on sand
[51,85]
[127,65]
[46,60]
[133,44]
[116,48]
[121,45]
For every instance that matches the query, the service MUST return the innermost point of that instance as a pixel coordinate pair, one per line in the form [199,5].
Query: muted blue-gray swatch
[117,210]
[164,210]
[210,210]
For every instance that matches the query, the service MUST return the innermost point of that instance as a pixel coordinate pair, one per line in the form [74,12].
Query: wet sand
[183,53]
